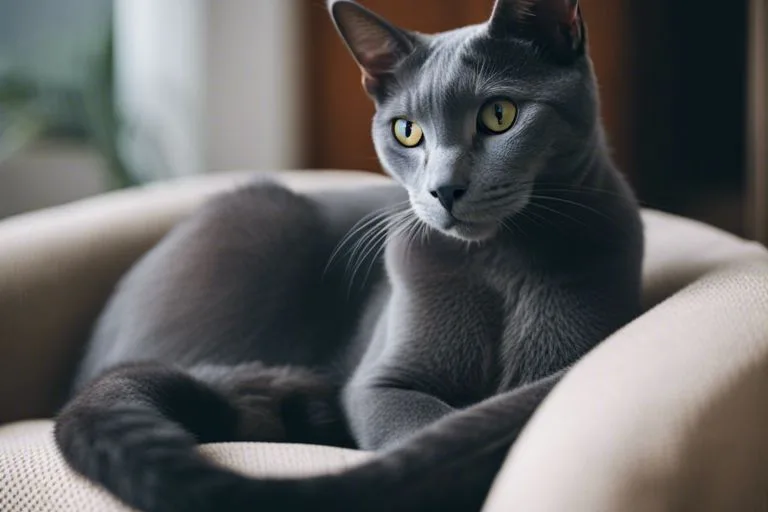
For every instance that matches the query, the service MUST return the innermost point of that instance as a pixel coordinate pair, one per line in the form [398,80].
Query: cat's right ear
[555,25]
[377,46]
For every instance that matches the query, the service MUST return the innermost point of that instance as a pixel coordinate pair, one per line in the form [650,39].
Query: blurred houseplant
[31,109]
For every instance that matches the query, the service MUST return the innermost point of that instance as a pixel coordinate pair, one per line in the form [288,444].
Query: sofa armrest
[668,414]
[58,266]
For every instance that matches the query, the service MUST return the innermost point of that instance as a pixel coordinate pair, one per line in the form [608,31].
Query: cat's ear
[556,25]
[377,46]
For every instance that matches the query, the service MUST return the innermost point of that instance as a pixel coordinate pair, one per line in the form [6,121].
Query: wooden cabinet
[689,108]
[757,121]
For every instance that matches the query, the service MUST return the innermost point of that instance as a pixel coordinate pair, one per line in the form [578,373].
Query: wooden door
[339,113]
[757,120]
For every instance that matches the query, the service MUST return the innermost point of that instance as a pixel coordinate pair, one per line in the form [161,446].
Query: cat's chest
[462,352]
[507,278]
[462,309]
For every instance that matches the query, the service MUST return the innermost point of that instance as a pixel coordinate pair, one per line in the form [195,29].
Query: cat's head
[468,120]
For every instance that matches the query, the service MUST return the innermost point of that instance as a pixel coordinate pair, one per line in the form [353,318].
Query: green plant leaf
[21,130]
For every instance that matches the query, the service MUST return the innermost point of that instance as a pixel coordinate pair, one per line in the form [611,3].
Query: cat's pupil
[408,129]
[499,112]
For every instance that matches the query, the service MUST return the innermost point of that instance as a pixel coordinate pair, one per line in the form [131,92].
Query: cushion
[34,477]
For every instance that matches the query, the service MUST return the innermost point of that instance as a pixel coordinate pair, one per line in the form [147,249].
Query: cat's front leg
[431,354]
[381,417]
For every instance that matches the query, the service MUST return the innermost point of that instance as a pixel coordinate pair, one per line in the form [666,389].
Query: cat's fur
[237,327]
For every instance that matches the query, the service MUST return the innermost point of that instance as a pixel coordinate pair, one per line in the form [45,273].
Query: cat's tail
[135,432]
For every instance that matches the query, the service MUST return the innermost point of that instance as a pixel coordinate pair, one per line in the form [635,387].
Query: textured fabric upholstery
[34,477]
[668,414]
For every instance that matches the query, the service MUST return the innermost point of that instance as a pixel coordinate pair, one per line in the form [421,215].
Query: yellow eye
[407,133]
[497,116]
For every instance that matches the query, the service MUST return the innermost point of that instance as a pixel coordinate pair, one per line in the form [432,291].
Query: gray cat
[426,319]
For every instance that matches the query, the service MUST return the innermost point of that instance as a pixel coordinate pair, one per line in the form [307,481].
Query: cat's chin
[460,229]
[471,231]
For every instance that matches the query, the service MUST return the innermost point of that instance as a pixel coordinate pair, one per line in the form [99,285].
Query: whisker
[589,190]
[377,235]
[580,205]
[558,212]
[562,187]
[509,225]
[399,220]
[360,245]
[532,216]
[374,243]
[360,225]
[424,232]
[491,207]
[373,261]
[504,195]
[366,222]
[411,231]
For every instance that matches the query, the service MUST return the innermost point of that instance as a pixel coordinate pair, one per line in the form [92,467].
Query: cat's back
[245,277]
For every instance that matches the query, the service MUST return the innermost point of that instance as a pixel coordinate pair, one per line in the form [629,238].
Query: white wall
[209,84]
[160,84]
[253,76]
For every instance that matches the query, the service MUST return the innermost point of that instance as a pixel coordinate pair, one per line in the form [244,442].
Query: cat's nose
[448,194]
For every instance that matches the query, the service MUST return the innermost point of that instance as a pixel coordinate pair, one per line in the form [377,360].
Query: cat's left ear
[377,46]
[555,25]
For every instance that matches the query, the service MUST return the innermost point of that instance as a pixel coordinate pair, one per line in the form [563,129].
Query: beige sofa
[671,413]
